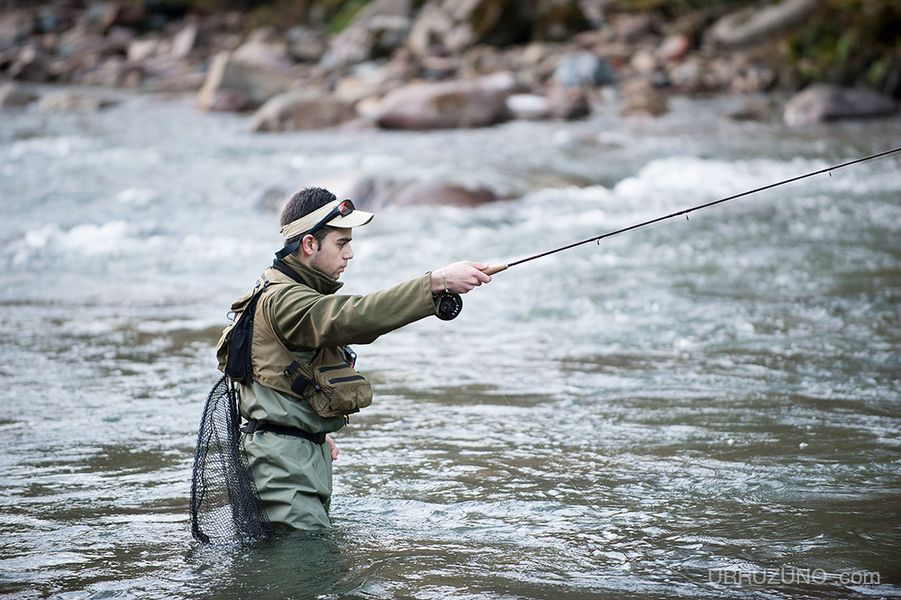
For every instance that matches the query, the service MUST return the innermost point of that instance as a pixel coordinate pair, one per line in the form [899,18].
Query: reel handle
[495,269]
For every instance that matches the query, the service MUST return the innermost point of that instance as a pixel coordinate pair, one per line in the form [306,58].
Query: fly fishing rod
[503,267]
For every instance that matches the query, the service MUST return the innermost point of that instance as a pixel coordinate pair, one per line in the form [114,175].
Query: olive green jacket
[293,321]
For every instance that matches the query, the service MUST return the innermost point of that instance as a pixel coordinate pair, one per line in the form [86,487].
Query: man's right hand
[459,277]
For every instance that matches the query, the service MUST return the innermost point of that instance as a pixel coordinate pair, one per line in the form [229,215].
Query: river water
[695,409]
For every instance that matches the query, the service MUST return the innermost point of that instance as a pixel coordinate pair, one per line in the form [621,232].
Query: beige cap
[356,218]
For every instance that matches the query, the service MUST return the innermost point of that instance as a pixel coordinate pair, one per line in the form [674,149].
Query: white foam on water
[50,147]
[692,180]
[136,196]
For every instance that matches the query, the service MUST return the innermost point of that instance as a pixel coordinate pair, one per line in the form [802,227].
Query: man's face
[333,253]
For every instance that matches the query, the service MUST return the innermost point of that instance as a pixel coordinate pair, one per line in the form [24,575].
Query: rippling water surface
[614,421]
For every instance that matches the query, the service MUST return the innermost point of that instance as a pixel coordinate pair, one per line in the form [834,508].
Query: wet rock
[583,69]
[367,79]
[306,44]
[569,103]
[142,49]
[183,42]
[688,76]
[674,48]
[758,108]
[15,27]
[752,79]
[444,105]
[758,23]
[301,109]
[112,72]
[631,28]
[70,101]
[234,85]
[641,97]
[529,106]
[450,26]
[643,61]
[29,65]
[13,95]
[265,50]
[99,16]
[824,102]
[376,31]
[375,193]
[559,20]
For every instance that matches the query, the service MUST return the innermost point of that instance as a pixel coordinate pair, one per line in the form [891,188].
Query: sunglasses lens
[345,208]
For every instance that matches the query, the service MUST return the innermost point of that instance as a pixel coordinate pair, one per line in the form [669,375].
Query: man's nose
[348,252]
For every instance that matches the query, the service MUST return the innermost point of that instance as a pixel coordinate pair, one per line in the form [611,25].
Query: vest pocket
[331,386]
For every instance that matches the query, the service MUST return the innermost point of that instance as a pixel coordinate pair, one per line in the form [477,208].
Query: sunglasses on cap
[342,209]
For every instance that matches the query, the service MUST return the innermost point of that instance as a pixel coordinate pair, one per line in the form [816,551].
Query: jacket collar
[313,278]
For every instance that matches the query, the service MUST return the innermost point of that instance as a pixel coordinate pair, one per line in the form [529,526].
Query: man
[303,383]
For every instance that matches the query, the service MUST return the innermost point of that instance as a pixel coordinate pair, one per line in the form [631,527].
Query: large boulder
[264,49]
[235,85]
[758,23]
[825,102]
[375,193]
[13,95]
[301,109]
[305,44]
[71,101]
[559,20]
[583,69]
[450,26]
[445,105]
[641,97]
[376,31]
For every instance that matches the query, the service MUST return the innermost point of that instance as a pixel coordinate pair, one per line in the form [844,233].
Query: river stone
[301,109]
[451,26]
[234,85]
[376,31]
[674,48]
[263,53]
[13,95]
[305,44]
[569,103]
[70,101]
[183,42]
[443,105]
[374,193]
[141,50]
[758,23]
[559,20]
[583,69]
[825,102]
[641,97]
[29,65]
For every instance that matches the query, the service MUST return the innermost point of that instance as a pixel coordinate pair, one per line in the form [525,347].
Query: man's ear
[308,245]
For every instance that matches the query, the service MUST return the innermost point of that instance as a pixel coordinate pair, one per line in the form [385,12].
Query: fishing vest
[323,377]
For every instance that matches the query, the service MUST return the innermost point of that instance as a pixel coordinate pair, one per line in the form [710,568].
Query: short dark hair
[303,203]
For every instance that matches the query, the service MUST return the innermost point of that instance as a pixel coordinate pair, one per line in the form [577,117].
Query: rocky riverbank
[400,64]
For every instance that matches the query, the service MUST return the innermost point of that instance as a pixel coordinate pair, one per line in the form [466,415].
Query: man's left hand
[332,447]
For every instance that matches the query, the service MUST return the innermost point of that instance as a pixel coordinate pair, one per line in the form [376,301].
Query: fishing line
[686,211]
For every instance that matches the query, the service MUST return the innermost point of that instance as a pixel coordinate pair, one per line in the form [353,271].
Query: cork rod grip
[494,269]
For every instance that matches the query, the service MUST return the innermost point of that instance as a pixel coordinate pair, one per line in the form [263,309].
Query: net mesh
[225,504]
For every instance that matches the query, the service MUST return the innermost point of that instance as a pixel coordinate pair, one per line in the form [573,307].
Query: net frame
[225,502]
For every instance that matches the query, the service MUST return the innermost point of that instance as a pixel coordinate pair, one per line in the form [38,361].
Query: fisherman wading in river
[301,383]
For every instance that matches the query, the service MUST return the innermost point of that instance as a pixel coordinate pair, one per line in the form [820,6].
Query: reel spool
[449,306]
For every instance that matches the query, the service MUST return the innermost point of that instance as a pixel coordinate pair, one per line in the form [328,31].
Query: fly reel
[449,305]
